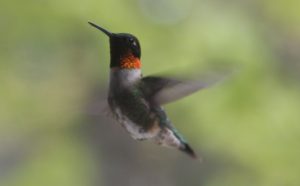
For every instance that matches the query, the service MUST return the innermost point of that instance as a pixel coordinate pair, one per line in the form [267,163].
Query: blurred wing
[163,90]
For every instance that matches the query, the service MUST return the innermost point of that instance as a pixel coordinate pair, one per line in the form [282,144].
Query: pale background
[54,66]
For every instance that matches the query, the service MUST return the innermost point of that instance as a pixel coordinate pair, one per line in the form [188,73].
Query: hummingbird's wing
[163,90]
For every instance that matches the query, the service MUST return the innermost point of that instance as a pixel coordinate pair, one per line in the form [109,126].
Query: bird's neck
[126,69]
[125,76]
[130,62]
[125,60]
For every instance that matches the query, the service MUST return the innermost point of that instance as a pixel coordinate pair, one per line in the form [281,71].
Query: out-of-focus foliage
[54,66]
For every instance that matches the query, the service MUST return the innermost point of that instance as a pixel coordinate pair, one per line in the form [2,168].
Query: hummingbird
[136,101]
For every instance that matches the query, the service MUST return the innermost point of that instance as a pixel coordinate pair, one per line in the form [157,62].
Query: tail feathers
[188,150]
[184,147]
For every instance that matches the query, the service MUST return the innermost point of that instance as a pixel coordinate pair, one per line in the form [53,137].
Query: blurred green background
[54,69]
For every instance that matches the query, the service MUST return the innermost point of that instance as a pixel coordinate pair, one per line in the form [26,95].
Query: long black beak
[109,34]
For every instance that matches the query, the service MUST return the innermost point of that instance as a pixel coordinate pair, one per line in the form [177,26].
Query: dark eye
[132,41]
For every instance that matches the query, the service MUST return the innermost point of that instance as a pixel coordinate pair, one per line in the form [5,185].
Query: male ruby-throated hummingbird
[135,101]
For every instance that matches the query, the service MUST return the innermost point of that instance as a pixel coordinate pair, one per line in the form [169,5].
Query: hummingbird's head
[125,50]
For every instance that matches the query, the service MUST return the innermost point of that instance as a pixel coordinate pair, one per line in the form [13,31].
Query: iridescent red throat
[130,62]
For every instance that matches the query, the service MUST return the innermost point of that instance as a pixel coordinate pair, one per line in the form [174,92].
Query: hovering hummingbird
[135,101]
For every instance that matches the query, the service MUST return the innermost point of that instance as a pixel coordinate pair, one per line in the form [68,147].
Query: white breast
[125,76]
[133,129]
